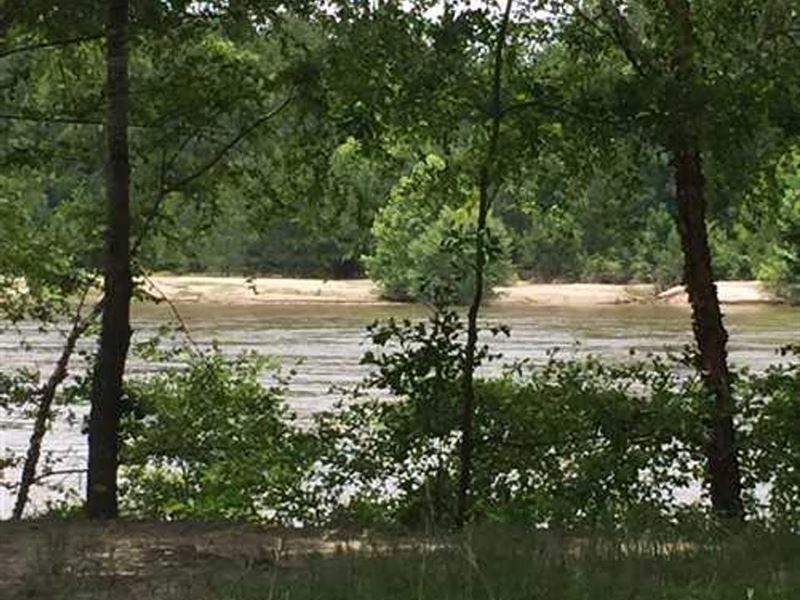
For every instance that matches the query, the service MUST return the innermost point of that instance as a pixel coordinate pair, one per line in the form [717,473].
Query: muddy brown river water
[324,344]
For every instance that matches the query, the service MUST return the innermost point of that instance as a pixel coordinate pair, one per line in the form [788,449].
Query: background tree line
[590,200]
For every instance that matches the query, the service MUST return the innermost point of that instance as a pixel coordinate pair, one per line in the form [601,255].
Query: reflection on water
[328,340]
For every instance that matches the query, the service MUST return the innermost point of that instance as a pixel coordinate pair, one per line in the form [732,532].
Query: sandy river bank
[239,291]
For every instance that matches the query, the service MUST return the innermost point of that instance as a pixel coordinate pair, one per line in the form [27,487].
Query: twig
[46,119]
[58,472]
[53,44]
[74,120]
[155,211]
[184,328]
[621,33]
[227,147]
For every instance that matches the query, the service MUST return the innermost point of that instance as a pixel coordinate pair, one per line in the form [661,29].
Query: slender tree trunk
[46,396]
[101,492]
[468,384]
[485,182]
[709,332]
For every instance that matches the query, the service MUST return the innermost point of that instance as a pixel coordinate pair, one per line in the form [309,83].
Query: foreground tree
[690,77]
[488,182]
[709,331]
[180,138]
[101,490]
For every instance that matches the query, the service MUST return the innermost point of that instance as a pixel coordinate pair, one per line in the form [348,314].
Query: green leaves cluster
[569,443]
[211,441]
[424,239]
[781,267]
[43,250]
[583,141]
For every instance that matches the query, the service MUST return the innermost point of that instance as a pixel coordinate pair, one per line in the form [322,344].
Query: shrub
[395,461]
[769,436]
[425,239]
[780,270]
[569,443]
[210,441]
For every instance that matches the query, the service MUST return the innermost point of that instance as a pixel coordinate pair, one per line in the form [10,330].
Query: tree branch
[620,32]
[560,109]
[52,44]
[69,120]
[153,214]
[46,119]
[58,472]
[227,147]
[630,44]
[589,19]
[182,325]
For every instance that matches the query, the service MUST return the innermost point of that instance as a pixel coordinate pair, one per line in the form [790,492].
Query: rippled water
[328,341]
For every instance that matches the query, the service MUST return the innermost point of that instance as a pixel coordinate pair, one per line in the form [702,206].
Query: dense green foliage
[41,246]
[424,239]
[312,189]
[781,267]
[569,443]
[614,224]
[210,441]
[341,138]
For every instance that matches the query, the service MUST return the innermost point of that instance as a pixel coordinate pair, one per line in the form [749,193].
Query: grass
[485,564]
[505,565]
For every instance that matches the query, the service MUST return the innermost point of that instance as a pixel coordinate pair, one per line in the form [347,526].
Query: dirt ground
[122,560]
[37,557]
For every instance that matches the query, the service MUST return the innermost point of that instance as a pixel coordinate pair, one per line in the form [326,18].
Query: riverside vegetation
[440,148]
[565,444]
[579,468]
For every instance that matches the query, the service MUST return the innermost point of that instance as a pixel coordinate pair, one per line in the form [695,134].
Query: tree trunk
[468,384]
[485,181]
[709,332]
[101,492]
[44,406]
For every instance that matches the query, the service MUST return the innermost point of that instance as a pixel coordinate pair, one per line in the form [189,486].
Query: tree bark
[709,333]
[101,492]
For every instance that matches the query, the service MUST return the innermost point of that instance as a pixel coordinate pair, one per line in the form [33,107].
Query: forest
[444,150]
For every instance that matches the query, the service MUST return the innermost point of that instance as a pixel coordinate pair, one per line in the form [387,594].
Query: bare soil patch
[143,559]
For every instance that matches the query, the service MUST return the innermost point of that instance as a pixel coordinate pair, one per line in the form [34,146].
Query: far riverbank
[240,291]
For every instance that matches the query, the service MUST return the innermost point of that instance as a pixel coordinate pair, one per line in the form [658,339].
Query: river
[324,344]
